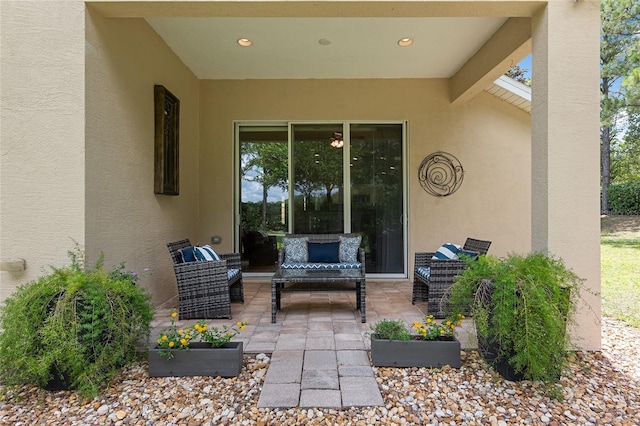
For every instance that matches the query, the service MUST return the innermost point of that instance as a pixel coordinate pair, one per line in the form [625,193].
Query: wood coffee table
[318,280]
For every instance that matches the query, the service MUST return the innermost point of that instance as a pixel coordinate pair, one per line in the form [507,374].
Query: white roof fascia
[512,91]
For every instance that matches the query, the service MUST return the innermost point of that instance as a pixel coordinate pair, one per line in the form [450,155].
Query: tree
[265,163]
[619,58]
[519,74]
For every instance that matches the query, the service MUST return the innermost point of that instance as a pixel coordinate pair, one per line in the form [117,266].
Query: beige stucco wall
[42,144]
[124,218]
[488,136]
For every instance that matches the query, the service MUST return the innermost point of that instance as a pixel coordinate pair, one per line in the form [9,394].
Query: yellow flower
[181,332]
[188,336]
[164,337]
[244,327]
[174,314]
[159,341]
[184,342]
[171,344]
[228,333]
[239,323]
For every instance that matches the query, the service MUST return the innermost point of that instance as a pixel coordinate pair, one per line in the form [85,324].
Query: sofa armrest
[361,258]
[280,257]
[185,272]
[423,259]
[445,270]
[233,260]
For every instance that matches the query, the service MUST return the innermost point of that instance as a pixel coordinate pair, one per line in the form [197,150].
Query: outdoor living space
[139,123]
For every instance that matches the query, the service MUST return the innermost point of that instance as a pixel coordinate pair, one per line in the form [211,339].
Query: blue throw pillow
[324,252]
[468,253]
[187,254]
[447,251]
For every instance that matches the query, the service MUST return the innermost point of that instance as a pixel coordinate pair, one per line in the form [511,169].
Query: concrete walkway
[325,369]
[318,346]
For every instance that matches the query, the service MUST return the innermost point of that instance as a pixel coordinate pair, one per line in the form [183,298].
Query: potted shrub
[74,328]
[433,345]
[521,306]
[199,350]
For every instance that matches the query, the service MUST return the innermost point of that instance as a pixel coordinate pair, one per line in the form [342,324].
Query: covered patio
[78,126]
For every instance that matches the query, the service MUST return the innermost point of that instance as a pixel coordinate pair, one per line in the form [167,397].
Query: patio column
[565,148]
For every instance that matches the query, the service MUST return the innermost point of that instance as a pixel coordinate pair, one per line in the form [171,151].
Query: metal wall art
[166,149]
[440,174]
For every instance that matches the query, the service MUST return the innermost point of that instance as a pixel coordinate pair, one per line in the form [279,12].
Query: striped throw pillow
[205,253]
[447,251]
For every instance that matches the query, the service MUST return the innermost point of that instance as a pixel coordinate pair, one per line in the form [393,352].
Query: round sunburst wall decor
[440,174]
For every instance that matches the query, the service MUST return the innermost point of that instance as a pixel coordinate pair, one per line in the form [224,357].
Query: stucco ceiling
[290,48]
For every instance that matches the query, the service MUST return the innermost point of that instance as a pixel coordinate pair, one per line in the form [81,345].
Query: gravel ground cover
[599,388]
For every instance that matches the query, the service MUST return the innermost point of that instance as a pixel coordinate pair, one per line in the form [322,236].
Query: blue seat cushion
[424,272]
[308,265]
[323,252]
[231,273]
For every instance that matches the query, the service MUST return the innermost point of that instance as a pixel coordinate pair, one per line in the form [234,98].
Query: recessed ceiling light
[404,42]
[244,42]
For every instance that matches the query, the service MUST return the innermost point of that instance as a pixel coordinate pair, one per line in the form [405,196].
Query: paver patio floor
[318,345]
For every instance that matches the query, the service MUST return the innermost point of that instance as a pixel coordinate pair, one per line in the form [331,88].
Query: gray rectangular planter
[415,353]
[200,360]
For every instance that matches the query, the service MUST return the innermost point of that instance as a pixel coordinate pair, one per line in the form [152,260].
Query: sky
[526,64]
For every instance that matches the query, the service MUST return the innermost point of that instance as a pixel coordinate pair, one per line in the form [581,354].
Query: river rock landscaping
[599,388]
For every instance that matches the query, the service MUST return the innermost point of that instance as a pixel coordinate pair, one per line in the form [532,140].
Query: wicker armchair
[442,273]
[206,289]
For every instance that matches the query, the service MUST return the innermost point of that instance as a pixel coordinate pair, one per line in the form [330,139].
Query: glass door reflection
[318,199]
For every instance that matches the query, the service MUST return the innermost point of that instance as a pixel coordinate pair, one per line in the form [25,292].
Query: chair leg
[420,291]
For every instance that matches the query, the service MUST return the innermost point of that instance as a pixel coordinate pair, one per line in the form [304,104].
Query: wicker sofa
[432,278]
[206,288]
[319,256]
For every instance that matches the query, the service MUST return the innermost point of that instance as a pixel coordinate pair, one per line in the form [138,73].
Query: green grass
[620,257]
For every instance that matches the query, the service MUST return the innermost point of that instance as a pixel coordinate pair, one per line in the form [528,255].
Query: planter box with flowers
[200,350]
[434,345]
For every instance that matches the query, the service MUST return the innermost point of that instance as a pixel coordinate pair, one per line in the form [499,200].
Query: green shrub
[522,305]
[624,198]
[391,330]
[76,326]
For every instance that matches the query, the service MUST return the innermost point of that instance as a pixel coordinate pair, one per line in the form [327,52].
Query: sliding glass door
[322,178]
[318,175]
[262,194]
[377,194]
